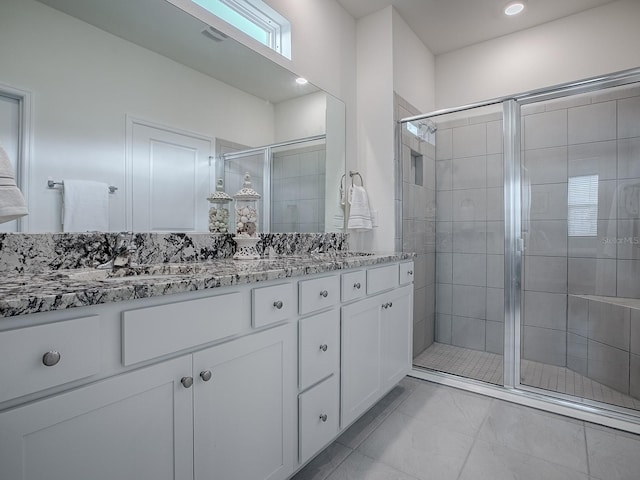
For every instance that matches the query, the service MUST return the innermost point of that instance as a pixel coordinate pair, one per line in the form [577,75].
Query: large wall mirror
[144,97]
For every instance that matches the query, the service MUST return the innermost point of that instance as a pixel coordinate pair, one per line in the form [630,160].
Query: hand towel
[86,206]
[12,204]
[338,218]
[359,212]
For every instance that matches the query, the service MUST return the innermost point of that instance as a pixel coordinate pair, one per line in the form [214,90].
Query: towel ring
[353,174]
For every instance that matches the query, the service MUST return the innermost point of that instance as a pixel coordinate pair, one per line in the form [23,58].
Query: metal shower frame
[513,390]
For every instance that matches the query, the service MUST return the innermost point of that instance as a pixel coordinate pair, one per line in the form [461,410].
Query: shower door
[455,162]
[579,324]
[528,235]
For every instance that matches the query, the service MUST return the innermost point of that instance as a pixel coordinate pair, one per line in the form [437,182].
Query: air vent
[214,34]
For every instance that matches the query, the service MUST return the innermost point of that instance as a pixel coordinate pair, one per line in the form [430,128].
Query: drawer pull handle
[278,304]
[356,286]
[51,358]
[324,347]
[324,293]
[205,375]
[387,305]
[323,417]
[186,382]
[410,272]
[390,304]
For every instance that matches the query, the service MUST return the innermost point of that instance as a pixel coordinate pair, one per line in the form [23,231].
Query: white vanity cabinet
[244,407]
[376,336]
[319,371]
[247,382]
[135,425]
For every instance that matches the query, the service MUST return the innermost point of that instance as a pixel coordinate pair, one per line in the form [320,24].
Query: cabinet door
[245,414]
[396,345]
[136,425]
[360,358]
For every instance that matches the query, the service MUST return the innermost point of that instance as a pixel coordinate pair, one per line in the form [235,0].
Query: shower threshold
[488,367]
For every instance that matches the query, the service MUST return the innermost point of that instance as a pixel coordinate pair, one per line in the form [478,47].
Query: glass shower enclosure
[290,177]
[532,241]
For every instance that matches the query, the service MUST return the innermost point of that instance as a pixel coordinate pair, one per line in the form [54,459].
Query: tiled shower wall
[415,201]
[594,134]
[297,185]
[233,171]
[470,233]
[298,189]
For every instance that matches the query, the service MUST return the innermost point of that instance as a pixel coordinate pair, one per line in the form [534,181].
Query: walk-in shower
[526,226]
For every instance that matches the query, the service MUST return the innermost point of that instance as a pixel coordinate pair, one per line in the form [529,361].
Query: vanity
[242,370]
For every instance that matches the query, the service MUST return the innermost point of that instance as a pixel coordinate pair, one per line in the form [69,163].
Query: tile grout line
[586,448]
[475,439]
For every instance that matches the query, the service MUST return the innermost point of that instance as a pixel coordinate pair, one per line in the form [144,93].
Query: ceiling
[446,25]
[165,29]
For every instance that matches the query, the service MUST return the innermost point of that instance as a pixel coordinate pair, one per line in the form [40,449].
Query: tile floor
[425,431]
[487,367]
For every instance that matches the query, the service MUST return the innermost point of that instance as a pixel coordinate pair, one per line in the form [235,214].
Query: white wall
[390,58]
[75,70]
[598,41]
[301,117]
[375,125]
[413,67]
[324,51]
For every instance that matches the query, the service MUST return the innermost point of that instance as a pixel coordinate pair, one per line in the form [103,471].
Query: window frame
[276,27]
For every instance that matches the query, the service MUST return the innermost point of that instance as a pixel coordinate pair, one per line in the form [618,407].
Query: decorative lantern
[219,209]
[246,218]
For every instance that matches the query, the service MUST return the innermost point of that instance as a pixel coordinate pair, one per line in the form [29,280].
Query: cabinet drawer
[22,355]
[272,304]
[354,285]
[319,347]
[154,331]
[318,423]
[406,273]
[382,278]
[318,293]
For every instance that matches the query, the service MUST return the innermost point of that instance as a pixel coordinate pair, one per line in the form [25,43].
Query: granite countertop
[22,294]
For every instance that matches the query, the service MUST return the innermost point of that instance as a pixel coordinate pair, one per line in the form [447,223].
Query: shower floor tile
[487,367]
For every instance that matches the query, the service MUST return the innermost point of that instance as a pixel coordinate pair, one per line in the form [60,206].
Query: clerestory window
[256,19]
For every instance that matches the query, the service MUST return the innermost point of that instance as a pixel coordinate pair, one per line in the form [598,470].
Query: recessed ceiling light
[301,81]
[514,8]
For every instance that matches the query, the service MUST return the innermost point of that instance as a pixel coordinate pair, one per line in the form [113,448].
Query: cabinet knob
[205,375]
[278,304]
[324,347]
[324,293]
[357,286]
[186,382]
[323,417]
[51,358]
[385,305]
[410,272]
[390,304]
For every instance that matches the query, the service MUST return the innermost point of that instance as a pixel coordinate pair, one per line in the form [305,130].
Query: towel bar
[52,184]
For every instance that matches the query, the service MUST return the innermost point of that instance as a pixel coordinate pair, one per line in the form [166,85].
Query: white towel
[86,206]
[12,204]
[359,212]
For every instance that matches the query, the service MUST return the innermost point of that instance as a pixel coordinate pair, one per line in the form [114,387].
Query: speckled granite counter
[24,293]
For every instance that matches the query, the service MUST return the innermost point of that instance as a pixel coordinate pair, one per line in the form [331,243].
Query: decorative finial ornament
[219,209]
[246,218]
